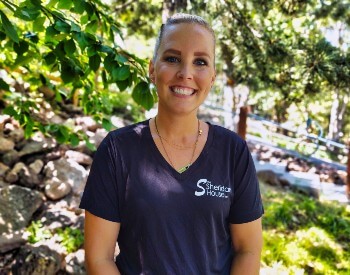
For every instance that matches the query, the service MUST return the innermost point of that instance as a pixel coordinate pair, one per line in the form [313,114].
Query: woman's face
[183,71]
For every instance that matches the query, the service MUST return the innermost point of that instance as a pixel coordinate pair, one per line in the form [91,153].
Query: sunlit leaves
[8,27]
[142,94]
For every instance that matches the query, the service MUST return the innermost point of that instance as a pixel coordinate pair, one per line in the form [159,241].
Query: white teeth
[182,91]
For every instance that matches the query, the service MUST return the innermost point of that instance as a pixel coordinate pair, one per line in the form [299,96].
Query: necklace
[183,169]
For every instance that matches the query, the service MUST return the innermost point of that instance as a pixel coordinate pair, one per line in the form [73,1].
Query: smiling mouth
[182,91]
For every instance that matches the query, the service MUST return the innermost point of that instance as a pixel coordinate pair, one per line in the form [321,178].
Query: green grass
[303,234]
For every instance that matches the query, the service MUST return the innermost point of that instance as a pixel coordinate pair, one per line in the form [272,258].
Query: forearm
[246,263]
[102,267]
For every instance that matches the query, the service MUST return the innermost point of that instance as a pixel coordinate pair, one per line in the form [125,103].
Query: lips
[182,90]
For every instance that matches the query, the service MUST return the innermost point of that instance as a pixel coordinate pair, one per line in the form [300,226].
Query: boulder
[17,206]
[67,171]
[37,146]
[36,260]
[13,175]
[56,189]
[78,157]
[3,169]
[11,241]
[75,262]
[10,158]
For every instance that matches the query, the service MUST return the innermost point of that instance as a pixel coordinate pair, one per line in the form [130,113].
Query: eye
[200,62]
[172,59]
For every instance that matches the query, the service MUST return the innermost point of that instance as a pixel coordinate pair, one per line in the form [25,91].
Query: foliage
[302,233]
[71,239]
[37,232]
[64,52]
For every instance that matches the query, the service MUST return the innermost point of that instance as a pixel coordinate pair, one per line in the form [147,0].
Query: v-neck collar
[195,165]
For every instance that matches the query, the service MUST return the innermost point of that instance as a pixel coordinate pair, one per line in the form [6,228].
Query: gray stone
[78,157]
[17,206]
[3,169]
[87,123]
[17,135]
[36,260]
[75,262]
[3,120]
[6,145]
[100,134]
[34,146]
[36,166]
[56,189]
[67,171]
[10,158]
[13,175]
[11,241]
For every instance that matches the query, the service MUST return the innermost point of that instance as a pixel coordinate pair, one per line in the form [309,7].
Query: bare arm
[247,243]
[100,240]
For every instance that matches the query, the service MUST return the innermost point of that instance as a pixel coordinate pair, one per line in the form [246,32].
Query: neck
[179,127]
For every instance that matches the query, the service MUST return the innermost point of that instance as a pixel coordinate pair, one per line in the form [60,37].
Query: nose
[185,72]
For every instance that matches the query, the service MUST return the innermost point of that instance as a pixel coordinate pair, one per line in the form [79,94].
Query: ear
[151,71]
[213,79]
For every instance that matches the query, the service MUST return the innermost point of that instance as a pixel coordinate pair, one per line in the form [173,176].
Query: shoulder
[222,134]
[124,136]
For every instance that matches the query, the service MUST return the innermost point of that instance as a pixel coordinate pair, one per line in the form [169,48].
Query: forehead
[188,36]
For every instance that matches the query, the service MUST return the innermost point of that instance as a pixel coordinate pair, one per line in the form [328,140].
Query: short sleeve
[246,203]
[103,193]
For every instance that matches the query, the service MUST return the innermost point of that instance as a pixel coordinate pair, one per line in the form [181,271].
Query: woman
[180,195]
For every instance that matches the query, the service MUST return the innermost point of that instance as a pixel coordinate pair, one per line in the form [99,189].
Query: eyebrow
[173,51]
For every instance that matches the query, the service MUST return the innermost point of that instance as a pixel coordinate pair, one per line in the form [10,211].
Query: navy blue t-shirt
[173,223]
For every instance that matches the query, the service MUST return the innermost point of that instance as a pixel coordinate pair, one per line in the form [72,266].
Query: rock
[11,241]
[6,145]
[306,190]
[13,175]
[36,260]
[17,206]
[78,157]
[56,189]
[10,158]
[34,146]
[3,169]
[27,178]
[67,171]
[16,135]
[99,135]
[36,166]
[56,217]
[268,176]
[87,123]
[75,262]
[3,120]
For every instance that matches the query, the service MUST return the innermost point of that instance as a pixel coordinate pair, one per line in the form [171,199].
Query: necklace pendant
[183,169]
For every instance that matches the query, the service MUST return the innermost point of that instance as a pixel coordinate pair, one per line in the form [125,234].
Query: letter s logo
[200,193]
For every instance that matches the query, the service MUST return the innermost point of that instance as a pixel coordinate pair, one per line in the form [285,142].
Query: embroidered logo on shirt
[206,188]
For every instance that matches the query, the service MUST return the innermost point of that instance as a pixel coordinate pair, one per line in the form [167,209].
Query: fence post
[348,173]
[242,123]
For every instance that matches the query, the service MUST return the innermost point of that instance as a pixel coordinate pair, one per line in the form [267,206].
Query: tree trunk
[336,119]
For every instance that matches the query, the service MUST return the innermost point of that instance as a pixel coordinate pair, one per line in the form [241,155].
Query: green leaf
[89,9]
[28,13]
[92,27]
[121,73]
[142,95]
[4,85]
[23,59]
[38,24]
[21,47]
[65,4]
[89,145]
[104,79]
[121,59]
[109,63]
[75,27]
[62,26]
[10,110]
[79,6]
[8,28]
[28,130]
[122,85]
[106,123]
[91,50]
[67,72]
[51,4]
[69,47]
[74,139]
[94,62]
